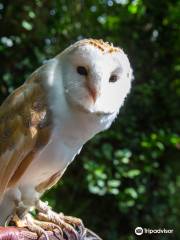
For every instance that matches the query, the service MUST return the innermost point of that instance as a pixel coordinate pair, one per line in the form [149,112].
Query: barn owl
[46,121]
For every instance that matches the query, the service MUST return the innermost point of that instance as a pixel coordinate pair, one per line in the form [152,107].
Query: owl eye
[82,70]
[113,78]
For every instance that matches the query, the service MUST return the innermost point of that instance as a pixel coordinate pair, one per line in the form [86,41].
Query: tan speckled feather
[25,127]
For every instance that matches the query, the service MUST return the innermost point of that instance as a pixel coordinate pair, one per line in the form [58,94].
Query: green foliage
[127,176]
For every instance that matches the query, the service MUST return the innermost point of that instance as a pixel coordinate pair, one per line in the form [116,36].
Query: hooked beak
[94,92]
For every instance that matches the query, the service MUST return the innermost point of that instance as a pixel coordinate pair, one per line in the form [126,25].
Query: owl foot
[57,219]
[72,227]
[31,224]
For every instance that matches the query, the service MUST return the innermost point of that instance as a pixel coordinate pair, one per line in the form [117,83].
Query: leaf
[27,25]
[132,192]
[132,173]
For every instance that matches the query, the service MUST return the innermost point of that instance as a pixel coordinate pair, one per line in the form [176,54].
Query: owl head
[96,76]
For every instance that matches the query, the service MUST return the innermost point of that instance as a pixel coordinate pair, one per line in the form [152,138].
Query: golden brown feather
[24,130]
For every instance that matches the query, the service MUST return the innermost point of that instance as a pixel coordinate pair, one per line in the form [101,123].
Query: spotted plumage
[104,47]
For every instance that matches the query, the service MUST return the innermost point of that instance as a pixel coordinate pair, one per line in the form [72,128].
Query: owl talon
[44,208]
[66,223]
[31,224]
[71,227]
[54,218]
[76,222]
[48,226]
[90,235]
[68,227]
[19,222]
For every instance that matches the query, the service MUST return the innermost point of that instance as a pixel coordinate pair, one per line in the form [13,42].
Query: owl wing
[23,131]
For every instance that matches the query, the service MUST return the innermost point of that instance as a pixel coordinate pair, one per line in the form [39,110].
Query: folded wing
[24,130]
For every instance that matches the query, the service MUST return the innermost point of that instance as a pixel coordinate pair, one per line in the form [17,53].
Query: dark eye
[113,78]
[82,70]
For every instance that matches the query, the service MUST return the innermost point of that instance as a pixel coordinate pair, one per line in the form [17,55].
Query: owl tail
[7,207]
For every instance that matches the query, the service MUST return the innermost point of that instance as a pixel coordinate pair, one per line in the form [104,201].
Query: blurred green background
[129,175]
